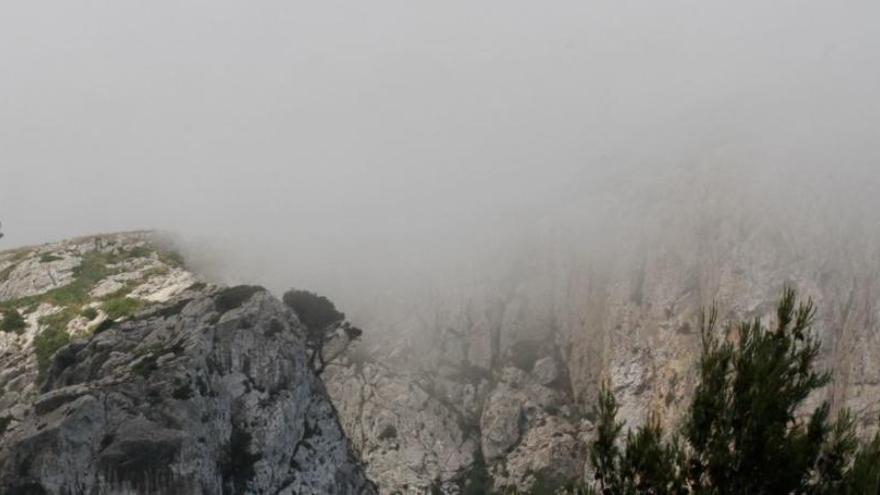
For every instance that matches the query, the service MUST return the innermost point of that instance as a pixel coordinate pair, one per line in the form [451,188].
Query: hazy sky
[394,132]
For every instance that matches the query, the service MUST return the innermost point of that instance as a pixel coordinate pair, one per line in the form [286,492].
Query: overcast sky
[340,133]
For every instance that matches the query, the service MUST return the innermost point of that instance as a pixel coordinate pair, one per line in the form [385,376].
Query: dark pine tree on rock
[323,324]
[746,431]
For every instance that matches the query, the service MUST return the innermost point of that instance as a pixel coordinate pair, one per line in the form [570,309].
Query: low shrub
[12,321]
[120,307]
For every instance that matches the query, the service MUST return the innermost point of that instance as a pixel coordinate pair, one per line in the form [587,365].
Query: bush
[234,297]
[47,343]
[89,313]
[13,321]
[121,306]
[4,423]
[49,258]
[315,312]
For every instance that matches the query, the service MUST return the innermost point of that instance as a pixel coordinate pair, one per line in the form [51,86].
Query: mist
[364,149]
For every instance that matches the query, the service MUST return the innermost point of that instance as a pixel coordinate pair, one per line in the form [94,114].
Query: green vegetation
[321,320]
[742,433]
[89,313]
[478,481]
[53,337]
[91,270]
[73,298]
[121,306]
[49,257]
[94,267]
[12,321]
[4,423]
[234,297]
[746,432]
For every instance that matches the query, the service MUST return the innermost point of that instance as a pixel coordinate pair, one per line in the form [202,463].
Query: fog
[376,146]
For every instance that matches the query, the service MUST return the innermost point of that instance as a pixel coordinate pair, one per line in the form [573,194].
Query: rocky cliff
[125,374]
[121,357]
[496,378]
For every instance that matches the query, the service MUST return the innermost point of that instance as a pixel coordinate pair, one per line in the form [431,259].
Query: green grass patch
[94,267]
[121,306]
[89,313]
[53,337]
[91,270]
[48,258]
[13,321]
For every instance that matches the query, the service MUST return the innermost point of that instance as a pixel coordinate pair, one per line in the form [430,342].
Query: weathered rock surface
[207,392]
[533,345]
[423,432]
[81,280]
[493,379]
[409,438]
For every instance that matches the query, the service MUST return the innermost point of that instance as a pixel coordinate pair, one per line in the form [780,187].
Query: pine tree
[744,433]
[321,320]
[604,452]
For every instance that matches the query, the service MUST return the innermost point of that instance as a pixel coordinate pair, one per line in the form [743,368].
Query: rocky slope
[129,376]
[488,383]
[497,378]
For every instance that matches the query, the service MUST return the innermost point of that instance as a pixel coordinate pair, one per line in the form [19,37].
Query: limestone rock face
[492,380]
[425,433]
[129,376]
[410,439]
[520,359]
[501,423]
[82,281]
[207,394]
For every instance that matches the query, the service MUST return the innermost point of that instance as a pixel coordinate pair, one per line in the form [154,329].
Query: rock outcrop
[206,392]
[487,384]
[520,357]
